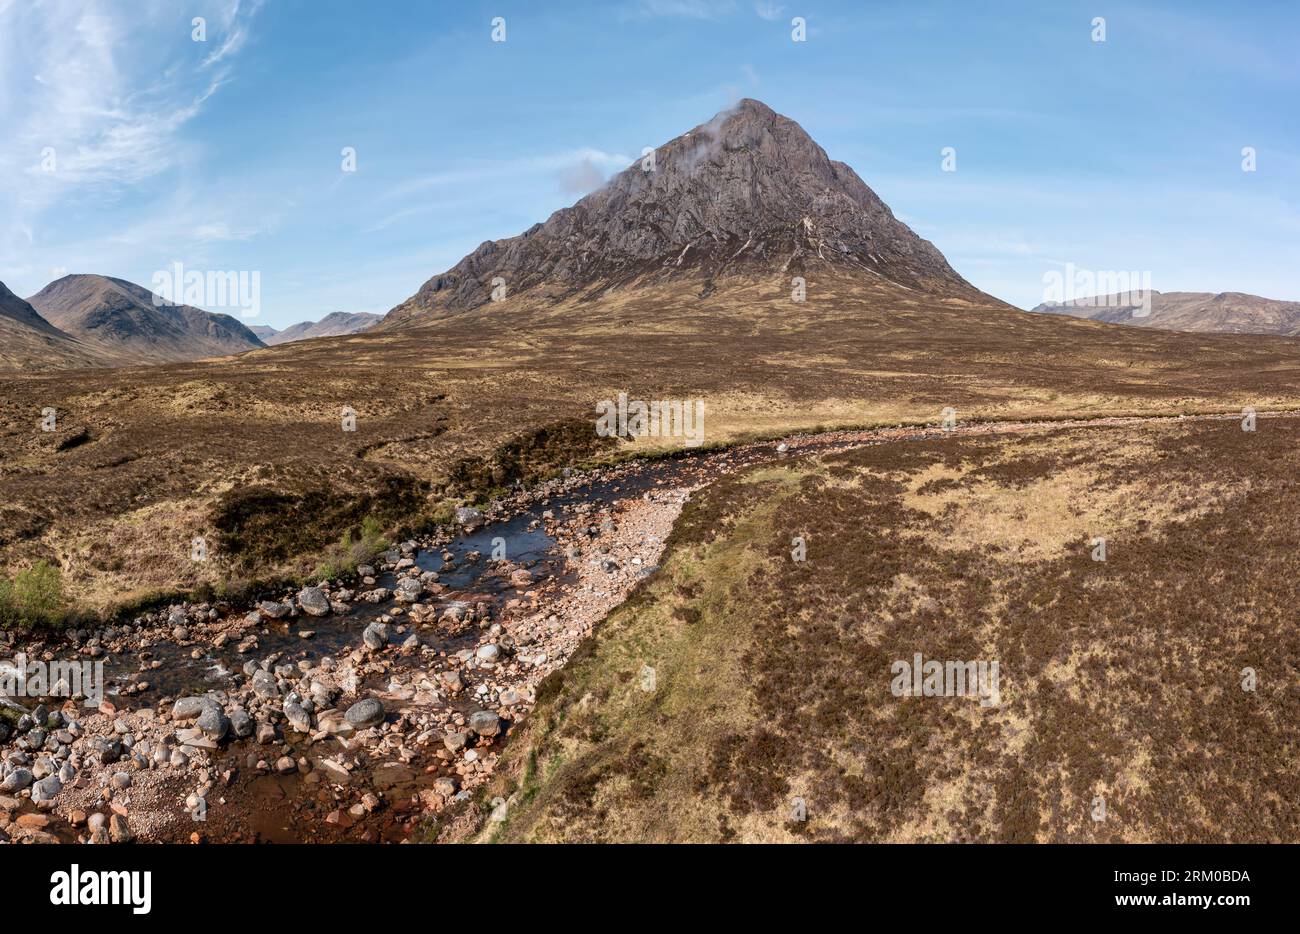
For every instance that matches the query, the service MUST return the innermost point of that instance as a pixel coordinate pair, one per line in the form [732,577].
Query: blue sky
[227,154]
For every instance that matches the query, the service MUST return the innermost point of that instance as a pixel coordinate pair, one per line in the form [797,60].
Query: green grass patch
[33,598]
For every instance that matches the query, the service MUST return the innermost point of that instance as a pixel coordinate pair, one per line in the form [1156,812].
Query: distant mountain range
[334,324]
[124,324]
[99,321]
[1225,312]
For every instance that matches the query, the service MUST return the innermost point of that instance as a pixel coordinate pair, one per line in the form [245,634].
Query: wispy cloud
[687,9]
[600,160]
[577,171]
[768,10]
[235,21]
[93,98]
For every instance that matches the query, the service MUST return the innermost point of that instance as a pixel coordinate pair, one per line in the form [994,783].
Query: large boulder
[408,590]
[188,708]
[214,723]
[313,601]
[485,723]
[269,609]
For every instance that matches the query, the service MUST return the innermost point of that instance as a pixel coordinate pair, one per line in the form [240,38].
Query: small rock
[187,708]
[366,713]
[375,636]
[468,516]
[298,718]
[16,780]
[241,724]
[264,684]
[408,590]
[43,792]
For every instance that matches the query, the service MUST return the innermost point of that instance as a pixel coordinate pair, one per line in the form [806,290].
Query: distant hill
[1225,312]
[122,320]
[29,342]
[335,324]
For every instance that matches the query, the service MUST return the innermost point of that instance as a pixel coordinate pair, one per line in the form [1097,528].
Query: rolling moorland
[249,451]
[1120,677]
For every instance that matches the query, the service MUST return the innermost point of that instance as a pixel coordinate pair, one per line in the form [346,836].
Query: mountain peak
[125,321]
[746,193]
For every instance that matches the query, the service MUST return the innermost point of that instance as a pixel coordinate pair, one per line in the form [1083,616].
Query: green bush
[343,557]
[33,598]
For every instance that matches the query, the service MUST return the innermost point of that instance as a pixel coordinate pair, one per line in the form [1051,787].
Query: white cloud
[94,99]
[581,178]
[768,10]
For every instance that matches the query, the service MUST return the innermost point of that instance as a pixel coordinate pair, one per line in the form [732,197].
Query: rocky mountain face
[15,309]
[334,324]
[748,193]
[121,319]
[28,341]
[1225,312]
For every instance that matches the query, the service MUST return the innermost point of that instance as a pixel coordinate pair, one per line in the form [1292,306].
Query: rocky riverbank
[349,710]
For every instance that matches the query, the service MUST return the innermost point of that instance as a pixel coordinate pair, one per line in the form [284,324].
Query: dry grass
[1119,679]
[267,424]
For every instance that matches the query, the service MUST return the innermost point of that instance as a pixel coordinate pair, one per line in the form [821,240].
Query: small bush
[33,598]
[344,555]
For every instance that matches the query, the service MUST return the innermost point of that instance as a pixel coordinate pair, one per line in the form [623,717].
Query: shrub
[344,555]
[34,597]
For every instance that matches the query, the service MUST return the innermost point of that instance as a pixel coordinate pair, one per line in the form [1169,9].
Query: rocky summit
[747,193]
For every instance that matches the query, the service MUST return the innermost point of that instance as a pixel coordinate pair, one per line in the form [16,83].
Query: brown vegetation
[165,453]
[1120,679]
